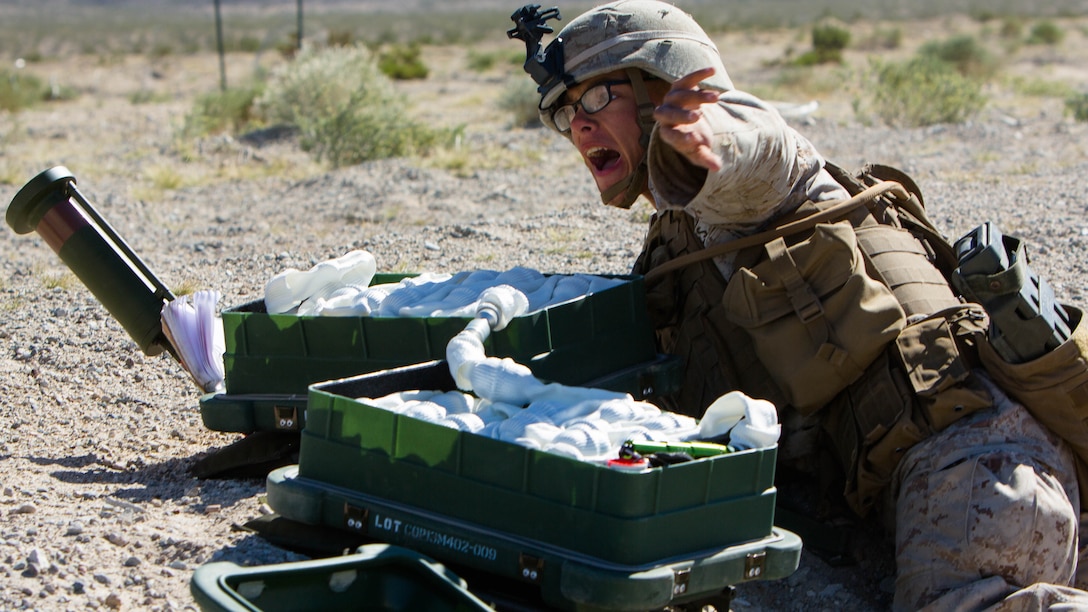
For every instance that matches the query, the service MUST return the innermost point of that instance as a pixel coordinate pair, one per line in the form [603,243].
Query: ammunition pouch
[816,319]
[922,384]
[938,355]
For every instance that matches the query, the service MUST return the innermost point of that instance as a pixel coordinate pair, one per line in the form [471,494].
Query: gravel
[97,508]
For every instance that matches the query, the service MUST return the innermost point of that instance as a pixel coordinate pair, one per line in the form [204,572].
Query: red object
[630,465]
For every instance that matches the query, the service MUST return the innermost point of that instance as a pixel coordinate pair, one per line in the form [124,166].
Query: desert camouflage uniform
[993,496]
[985,511]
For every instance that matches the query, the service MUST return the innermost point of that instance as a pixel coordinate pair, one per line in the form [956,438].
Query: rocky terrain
[97,506]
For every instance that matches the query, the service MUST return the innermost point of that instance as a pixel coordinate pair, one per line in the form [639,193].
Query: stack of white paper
[196,331]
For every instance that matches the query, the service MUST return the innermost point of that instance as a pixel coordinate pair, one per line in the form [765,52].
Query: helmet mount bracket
[544,65]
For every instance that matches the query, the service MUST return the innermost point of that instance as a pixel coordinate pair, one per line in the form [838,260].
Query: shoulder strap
[837,209]
[870,174]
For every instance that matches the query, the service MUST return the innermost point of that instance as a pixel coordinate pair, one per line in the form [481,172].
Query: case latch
[355,518]
[754,564]
[532,568]
[286,417]
[680,579]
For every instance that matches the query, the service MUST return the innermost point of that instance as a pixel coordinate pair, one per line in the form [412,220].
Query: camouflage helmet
[649,35]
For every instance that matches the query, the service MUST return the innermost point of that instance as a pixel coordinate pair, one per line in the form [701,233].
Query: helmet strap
[631,186]
[634,184]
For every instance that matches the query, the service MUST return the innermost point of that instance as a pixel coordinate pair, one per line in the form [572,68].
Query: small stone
[37,557]
[212,508]
[178,565]
[116,539]
[102,579]
[113,601]
[25,509]
[132,561]
[74,528]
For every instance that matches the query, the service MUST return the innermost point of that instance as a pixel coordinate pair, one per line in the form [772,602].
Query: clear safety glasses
[594,100]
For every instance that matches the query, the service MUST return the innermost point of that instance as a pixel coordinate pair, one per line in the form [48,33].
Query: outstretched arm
[729,158]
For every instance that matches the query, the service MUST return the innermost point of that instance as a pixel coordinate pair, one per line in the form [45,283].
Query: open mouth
[602,159]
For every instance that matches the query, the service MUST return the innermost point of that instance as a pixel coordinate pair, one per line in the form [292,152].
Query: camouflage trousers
[987,516]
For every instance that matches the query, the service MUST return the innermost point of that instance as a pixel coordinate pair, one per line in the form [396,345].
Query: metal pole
[300,25]
[219,42]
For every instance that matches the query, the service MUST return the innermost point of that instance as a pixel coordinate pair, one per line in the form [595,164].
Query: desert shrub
[55,92]
[142,96]
[828,42]
[402,62]
[340,38]
[520,99]
[1045,32]
[247,44]
[19,90]
[482,61]
[160,50]
[924,91]
[883,38]
[1040,88]
[830,37]
[345,108]
[1011,28]
[964,52]
[1077,106]
[230,110]
[288,48]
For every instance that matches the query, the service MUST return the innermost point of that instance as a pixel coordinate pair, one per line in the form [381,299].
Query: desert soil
[98,507]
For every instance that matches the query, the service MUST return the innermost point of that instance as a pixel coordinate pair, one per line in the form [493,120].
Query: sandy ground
[98,507]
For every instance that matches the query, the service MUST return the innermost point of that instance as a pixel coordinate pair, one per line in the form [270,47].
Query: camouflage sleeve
[764,161]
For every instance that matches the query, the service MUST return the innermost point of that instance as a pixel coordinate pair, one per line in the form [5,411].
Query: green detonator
[51,205]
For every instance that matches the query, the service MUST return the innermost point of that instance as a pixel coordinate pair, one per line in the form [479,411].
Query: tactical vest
[844,309]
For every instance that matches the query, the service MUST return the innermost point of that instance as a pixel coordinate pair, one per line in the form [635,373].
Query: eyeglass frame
[578,103]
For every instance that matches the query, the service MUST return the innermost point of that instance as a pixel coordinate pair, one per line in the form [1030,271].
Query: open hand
[681,123]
